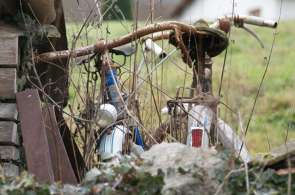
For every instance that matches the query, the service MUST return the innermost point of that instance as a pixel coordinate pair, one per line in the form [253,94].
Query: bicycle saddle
[124,50]
[213,41]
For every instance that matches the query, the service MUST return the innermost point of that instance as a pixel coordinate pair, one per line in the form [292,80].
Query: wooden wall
[9,139]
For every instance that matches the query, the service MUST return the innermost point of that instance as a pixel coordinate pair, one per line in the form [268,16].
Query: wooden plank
[9,153]
[9,170]
[279,155]
[9,51]
[8,30]
[71,146]
[8,111]
[8,83]
[8,133]
[34,135]
[62,167]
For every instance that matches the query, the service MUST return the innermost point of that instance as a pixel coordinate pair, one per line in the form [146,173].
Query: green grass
[274,113]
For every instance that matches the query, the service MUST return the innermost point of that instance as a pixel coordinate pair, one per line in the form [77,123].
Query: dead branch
[103,45]
[159,36]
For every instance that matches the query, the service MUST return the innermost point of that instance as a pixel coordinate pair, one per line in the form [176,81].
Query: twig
[289,176]
[247,178]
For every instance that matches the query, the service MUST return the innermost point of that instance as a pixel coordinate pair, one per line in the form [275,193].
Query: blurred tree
[120,9]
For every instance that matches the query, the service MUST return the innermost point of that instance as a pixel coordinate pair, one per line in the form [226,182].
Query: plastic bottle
[111,82]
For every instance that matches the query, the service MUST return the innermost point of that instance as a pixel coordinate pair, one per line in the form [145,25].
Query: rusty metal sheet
[62,167]
[34,135]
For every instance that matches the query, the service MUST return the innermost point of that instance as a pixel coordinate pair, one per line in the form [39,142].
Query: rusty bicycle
[192,118]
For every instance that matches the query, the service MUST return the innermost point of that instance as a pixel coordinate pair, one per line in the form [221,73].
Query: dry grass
[275,112]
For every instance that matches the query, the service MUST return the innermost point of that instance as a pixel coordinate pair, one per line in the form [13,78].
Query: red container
[197,135]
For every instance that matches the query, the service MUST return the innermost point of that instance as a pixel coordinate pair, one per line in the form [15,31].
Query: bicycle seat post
[202,82]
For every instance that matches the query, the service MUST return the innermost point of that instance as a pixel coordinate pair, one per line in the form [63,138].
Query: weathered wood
[7,83]
[7,30]
[279,155]
[9,153]
[34,136]
[286,171]
[62,167]
[8,133]
[8,112]
[9,169]
[9,58]
[8,51]
[71,146]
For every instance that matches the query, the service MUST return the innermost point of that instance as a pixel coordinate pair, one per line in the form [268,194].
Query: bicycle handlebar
[240,20]
[257,21]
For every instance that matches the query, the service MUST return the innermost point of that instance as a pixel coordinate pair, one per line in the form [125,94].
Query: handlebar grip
[152,46]
[257,21]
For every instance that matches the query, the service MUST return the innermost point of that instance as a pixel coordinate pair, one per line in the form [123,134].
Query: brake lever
[251,32]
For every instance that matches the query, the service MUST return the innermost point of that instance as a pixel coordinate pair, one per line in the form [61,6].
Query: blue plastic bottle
[111,81]
[138,138]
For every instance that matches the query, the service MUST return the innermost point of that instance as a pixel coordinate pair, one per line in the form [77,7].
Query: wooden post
[62,168]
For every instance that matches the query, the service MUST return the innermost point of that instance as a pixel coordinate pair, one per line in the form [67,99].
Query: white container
[111,144]
[106,115]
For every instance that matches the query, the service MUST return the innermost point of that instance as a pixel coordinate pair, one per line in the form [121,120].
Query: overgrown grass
[273,121]
[274,116]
